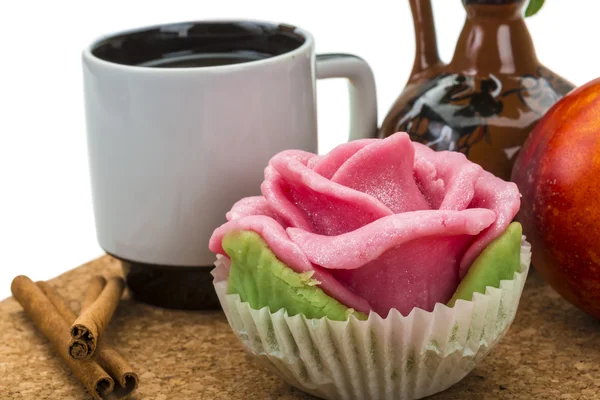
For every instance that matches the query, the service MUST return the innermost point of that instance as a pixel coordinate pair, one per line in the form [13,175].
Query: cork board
[552,351]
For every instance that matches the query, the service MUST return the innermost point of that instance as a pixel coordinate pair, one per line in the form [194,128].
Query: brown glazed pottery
[488,98]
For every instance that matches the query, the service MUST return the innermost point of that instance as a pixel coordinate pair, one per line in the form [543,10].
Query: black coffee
[199,44]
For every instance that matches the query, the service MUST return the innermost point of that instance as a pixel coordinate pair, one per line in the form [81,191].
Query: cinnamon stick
[108,358]
[97,283]
[88,327]
[50,323]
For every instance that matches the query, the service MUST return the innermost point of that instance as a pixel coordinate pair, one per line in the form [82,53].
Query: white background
[46,221]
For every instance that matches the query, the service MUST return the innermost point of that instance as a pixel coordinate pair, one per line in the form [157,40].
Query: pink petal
[446,178]
[302,156]
[498,195]
[328,164]
[384,170]
[354,249]
[401,261]
[255,205]
[288,253]
[451,182]
[303,197]
[275,189]
[413,275]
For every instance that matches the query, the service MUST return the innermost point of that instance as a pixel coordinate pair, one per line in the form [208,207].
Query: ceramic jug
[488,98]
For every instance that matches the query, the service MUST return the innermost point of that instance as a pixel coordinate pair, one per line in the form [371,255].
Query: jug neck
[427,61]
[495,40]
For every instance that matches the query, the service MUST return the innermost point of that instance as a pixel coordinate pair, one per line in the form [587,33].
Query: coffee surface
[199,44]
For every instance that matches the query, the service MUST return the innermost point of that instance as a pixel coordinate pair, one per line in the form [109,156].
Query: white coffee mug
[172,147]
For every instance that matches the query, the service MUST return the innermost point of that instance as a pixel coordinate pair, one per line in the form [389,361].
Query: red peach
[558,174]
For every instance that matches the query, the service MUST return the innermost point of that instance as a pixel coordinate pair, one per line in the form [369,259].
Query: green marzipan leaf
[260,279]
[498,261]
[533,7]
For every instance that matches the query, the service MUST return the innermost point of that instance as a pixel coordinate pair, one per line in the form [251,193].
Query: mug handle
[361,85]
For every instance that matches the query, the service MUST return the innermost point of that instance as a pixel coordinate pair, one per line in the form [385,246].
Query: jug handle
[427,59]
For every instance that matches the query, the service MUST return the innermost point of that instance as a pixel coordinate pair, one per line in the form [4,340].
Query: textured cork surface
[552,351]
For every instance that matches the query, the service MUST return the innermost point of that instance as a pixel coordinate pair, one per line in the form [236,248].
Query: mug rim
[88,56]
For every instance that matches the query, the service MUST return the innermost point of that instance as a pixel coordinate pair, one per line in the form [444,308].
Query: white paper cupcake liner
[381,358]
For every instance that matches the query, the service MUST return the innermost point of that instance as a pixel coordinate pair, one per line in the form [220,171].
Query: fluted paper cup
[396,357]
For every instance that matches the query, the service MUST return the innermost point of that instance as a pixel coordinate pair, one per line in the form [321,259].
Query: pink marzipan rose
[382,223]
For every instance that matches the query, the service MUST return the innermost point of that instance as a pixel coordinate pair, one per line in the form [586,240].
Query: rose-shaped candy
[381,224]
